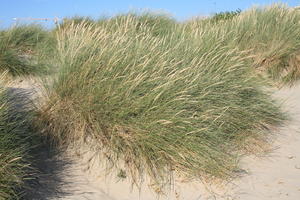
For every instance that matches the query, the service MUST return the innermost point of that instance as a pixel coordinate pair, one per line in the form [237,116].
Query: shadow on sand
[44,180]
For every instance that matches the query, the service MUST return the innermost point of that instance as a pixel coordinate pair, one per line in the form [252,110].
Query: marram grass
[150,95]
[155,105]
[19,49]
[15,143]
[269,34]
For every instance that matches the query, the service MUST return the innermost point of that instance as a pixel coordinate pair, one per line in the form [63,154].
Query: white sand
[277,176]
[273,177]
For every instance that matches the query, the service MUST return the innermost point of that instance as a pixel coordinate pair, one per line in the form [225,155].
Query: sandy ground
[275,176]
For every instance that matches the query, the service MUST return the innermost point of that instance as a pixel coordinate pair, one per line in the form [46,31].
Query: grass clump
[269,34]
[274,40]
[15,143]
[155,105]
[19,47]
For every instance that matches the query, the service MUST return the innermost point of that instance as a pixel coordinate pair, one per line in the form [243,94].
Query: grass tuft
[155,105]
[270,34]
[15,143]
[19,48]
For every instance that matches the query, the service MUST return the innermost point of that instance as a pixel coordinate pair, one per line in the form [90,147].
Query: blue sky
[181,10]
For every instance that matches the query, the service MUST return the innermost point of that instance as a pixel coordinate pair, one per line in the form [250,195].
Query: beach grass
[270,34]
[19,47]
[155,105]
[16,140]
[150,96]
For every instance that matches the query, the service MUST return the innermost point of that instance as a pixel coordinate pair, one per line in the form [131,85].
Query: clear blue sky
[181,10]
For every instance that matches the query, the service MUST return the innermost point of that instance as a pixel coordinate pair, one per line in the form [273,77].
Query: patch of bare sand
[277,176]
[273,177]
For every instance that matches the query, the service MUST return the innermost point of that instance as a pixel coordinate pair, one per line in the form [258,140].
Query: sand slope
[277,176]
[272,177]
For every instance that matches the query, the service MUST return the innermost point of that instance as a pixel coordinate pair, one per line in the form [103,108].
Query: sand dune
[275,176]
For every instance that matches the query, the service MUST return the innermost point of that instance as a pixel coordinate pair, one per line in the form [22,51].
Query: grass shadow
[43,179]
